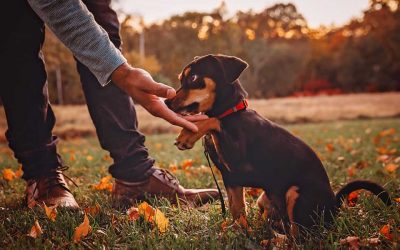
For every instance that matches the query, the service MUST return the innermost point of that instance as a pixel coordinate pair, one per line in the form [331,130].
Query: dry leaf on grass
[133,213]
[36,230]
[186,163]
[352,198]
[329,147]
[391,168]
[51,212]
[19,172]
[386,232]
[93,211]
[8,174]
[151,215]
[82,230]
[104,184]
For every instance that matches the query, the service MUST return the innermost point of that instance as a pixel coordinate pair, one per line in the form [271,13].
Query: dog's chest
[214,149]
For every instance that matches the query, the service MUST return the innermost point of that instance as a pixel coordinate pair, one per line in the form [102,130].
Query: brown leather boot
[163,184]
[50,189]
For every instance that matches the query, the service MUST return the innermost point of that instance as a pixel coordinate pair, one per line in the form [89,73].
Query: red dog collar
[240,106]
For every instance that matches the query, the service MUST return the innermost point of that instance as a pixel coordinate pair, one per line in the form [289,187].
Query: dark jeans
[23,90]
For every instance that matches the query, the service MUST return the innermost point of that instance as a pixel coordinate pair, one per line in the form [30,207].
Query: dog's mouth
[191,109]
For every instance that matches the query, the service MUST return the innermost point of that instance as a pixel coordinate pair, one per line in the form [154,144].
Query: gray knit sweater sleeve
[75,26]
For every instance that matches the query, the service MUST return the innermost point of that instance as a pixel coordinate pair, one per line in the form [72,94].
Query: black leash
[221,198]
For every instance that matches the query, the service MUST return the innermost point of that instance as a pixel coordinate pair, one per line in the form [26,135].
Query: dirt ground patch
[74,121]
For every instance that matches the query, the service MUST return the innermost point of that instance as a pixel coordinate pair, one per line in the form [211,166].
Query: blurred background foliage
[286,56]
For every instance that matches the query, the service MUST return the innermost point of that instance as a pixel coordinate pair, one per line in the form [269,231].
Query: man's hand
[139,84]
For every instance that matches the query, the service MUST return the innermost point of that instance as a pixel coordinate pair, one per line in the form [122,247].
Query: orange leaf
[19,172]
[187,163]
[154,215]
[104,184]
[352,198]
[146,211]
[351,171]
[173,167]
[133,213]
[89,158]
[8,174]
[387,132]
[36,230]
[385,231]
[161,221]
[391,167]
[82,230]
[242,222]
[224,225]
[329,147]
[93,211]
[397,199]
[51,212]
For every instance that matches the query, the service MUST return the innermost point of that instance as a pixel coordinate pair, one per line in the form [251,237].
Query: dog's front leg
[237,204]
[187,139]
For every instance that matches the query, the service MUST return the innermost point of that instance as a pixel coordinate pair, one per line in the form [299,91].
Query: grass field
[349,149]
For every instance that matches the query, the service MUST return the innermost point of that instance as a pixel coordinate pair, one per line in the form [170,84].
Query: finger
[195,118]
[159,89]
[159,109]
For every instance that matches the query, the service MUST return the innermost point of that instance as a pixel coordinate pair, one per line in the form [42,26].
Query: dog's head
[208,84]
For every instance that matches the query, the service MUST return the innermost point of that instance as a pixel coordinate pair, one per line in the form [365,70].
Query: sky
[316,12]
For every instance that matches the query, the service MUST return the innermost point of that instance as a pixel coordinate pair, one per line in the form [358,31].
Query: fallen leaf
[104,184]
[383,158]
[93,211]
[89,158]
[133,213]
[51,212]
[351,241]
[224,225]
[397,199]
[352,198]
[154,216]
[173,167]
[36,230]
[187,163]
[107,157]
[385,231]
[351,171]
[161,221]
[158,146]
[391,167]
[146,211]
[387,132]
[329,147]
[82,230]
[19,172]
[8,174]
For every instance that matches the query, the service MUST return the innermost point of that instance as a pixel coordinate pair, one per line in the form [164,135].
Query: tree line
[286,56]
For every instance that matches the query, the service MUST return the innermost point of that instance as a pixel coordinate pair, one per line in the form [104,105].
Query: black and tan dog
[251,151]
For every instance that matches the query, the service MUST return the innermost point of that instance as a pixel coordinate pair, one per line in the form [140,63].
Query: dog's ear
[232,66]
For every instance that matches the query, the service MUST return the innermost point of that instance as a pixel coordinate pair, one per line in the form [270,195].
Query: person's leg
[115,120]
[23,90]
[113,112]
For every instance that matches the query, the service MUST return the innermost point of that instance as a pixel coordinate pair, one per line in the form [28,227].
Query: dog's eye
[193,78]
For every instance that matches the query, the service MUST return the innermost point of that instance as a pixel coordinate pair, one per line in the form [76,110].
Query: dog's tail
[373,187]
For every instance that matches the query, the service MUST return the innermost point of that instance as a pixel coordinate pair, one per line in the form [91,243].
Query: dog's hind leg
[291,197]
[237,204]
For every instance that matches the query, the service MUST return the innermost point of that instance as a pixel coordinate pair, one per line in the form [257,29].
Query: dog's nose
[168,102]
